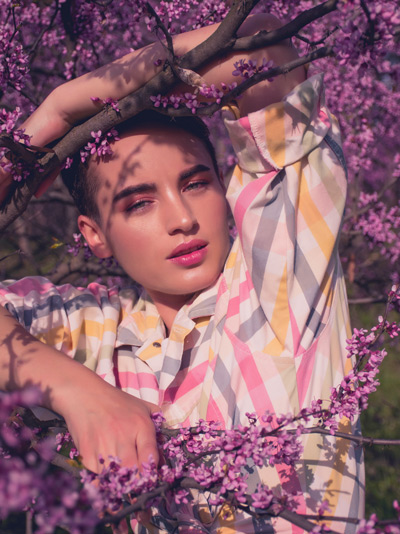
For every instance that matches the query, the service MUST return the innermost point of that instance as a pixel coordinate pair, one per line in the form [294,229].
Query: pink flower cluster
[101,144]
[8,120]
[106,102]
[64,440]
[351,396]
[371,525]
[191,100]
[78,245]
[224,477]
[27,481]
[247,69]
[379,224]
[13,60]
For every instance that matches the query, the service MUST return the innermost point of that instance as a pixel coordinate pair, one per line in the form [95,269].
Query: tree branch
[220,43]
[19,252]
[292,28]
[161,25]
[361,440]
[67,465]
[19,150]
[210,109]
[367,300]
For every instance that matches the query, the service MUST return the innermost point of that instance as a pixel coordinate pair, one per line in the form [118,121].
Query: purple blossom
[262,498]
[367,526]
[248,68]
[13,60]
[106,102]
[101,146]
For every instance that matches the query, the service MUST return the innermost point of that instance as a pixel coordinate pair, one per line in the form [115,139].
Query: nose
[179,216]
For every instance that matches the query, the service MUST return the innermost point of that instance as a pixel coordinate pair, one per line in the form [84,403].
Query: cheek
[218,213]
[131,246]
[216,219]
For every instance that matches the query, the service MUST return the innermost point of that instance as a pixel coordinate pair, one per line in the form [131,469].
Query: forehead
[147,153]
[141,149]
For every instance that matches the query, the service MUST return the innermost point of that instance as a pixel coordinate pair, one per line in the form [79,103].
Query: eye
[137,206]
[196,184]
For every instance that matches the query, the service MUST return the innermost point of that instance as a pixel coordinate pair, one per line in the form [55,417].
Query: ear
[94,236]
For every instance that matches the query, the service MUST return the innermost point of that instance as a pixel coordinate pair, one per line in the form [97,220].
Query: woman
[219,330]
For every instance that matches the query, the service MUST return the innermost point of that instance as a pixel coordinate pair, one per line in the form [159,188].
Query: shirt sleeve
[81,323]
[287,195]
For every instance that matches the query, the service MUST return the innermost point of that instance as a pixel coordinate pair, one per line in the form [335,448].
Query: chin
[194,286]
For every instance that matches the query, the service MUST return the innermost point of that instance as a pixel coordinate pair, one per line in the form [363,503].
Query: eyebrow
[147,187]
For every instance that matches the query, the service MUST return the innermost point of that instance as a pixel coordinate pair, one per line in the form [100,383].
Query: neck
[168,306]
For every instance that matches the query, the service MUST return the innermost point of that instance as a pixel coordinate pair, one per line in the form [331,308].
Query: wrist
[74,386]
[46,123]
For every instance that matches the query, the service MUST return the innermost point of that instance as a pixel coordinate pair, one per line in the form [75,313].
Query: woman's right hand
[102,419]
[105,421]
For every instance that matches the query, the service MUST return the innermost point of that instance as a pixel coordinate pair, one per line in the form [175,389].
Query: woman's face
[163,213]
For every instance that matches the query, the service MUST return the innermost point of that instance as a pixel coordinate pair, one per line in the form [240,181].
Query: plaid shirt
[270,334]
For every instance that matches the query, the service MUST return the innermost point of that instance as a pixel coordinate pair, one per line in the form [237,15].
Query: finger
[146,445]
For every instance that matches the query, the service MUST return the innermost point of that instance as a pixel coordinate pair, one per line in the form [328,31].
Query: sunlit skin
[160,191]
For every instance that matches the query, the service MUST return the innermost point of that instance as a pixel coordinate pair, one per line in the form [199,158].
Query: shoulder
[40,292]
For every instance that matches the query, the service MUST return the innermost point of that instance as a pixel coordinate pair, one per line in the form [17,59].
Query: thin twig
[32,51]
[12,254]
[15,24]
[291,29]
[367,300]
[24,93]
[371,23]
[161,25]
[320,41]
[67,465]
[361,440]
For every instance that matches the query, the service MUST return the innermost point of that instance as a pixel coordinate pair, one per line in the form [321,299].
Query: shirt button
[156,344]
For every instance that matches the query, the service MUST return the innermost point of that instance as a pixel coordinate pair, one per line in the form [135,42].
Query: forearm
[71,102]
[102,419]
[26,361]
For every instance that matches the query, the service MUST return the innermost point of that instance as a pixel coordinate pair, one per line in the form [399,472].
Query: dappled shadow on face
[131,162]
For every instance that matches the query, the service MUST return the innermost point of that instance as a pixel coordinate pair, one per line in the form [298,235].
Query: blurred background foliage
[381,420]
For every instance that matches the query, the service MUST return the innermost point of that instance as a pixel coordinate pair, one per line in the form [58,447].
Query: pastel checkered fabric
[268,335]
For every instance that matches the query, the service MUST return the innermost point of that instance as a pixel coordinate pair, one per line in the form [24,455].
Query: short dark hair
[83,187]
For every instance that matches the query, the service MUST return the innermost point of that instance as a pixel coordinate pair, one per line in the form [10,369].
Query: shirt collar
[144,322]
[140,323]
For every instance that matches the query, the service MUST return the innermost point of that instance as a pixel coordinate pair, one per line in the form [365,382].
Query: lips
[187,248]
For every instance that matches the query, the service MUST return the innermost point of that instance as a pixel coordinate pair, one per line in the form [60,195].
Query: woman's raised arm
[71,102]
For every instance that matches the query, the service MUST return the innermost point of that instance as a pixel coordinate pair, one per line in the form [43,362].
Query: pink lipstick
[191,253]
